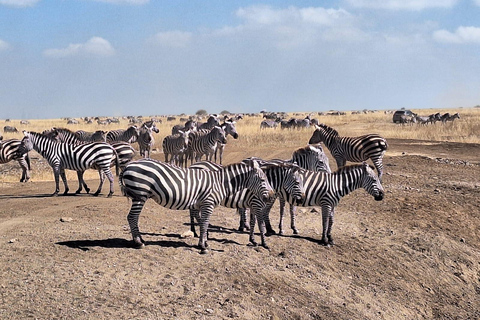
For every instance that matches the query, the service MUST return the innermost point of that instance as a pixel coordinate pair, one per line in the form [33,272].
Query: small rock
[187,234]
[12,240]
[462,240]
[209,310]
[66,219]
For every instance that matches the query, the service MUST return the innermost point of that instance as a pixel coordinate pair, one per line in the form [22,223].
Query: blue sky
[73,58]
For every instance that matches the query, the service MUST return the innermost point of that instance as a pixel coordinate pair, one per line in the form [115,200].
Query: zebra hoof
[96,194]
[295,231]
[271,233]
[138,244]
[78,191]
[110,195]
[266,246]
[204,251]
[87,190]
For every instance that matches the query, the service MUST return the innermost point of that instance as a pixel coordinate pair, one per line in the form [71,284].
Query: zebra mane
[311,147]
[328,129]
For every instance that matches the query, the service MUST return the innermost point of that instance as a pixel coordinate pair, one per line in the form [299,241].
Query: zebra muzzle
[380,196]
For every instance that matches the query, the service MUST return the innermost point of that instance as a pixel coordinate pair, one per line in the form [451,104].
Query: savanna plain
[414,255]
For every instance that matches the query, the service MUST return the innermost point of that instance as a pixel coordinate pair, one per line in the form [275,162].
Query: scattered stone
[66,219]
[462,240]
[187,234]
[12,240]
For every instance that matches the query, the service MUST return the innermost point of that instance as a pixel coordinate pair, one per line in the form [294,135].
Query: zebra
[229,128]
[13,149]
[9,129]
[204,142]
[124,151]
[447,117]
[212,121]
[175,145]
[184,188]
[354,149]
[98,135]
[310,158]
[267,124]
[326,189]
[283,178]
[61,156]
[130,135]
[145,138]
[189,125]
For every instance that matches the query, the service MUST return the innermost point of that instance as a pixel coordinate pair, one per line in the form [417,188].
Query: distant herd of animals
[184,181]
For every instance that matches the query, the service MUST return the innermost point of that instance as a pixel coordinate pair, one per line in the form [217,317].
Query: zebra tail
[117,163]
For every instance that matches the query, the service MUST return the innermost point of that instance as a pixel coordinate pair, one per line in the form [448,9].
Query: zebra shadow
[30,196]
[85,245]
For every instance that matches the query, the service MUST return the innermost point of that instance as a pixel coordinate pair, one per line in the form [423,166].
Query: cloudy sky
[72,58]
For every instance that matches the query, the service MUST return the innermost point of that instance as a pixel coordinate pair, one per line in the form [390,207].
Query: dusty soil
[415,255]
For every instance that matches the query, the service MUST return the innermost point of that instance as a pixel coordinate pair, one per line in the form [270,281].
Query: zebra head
[229,127]
[371,183]
[319,135]
[258,182]
[184,135]
[27,141]
[293,183]
[219,134]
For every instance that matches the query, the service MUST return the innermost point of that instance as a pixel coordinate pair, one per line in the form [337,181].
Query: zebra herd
[431,119]
[252,184]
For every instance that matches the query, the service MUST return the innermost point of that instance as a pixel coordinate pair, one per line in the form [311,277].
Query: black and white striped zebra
[326,189]
[212,122]
[354,149]
[13,149]
[129,135]
[145,138]
[204,143]
[98,135]
[284,180]
[190,125]
[229,128]
[183,188]
[448,117]
[61,156]
[175,146]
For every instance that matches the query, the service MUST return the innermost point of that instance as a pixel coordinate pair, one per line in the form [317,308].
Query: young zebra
[81,157]
[326,189]
[181,189]
[130,135]
[354,149]
[204,142]
[229,128]
[175,146]
[13,149]
[145,138]
[284,180]
[124,153]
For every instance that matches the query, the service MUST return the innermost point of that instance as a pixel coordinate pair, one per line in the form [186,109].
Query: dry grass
[466,129]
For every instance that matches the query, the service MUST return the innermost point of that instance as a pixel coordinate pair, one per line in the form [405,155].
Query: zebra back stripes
[354,149]
[175,146]
[13,149]
[179,189]
[80,157]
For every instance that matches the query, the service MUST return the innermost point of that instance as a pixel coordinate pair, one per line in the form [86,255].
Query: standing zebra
[354,149]
[175,145]
[124,152]
[145,138]
[326,189]
[204,142]
[229,128]
[212,121]
[81,157]
[98,135]
[284,180]
[181,189]
[13,149]
[130,135]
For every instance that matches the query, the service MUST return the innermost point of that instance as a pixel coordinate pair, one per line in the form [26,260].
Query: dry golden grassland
[466,130]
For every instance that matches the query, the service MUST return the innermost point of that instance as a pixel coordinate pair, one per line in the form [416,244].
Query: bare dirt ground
[415,255]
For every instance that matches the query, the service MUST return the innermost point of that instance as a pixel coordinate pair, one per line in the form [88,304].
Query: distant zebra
[354,149]
[203,143]
[129,135]
[175,145]
[13,149]
[229,128]
[267,124]
[181,189]
[81,157]
[98,135]
[212,121]
[189,125]
[145,138]
[9,129]
[284,180]
[447,117]
[326,189]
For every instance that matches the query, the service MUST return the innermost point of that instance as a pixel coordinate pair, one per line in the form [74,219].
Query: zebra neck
[346,182]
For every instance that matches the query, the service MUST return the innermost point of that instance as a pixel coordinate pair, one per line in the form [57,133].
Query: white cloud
[173,39]
[95,46]
[4,45]
[414,5]
[461,35]
[19,3]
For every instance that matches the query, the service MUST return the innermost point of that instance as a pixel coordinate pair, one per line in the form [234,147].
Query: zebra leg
[56,174]
[64,179]
[326,213]
[329,230]
[81,183]
[205,213]
[293,216]
[260,213]
[194,214]
[25,172]
[266,218]
[377,162]
[132,218]
[244,225]
[253,220]
[100,186]
[282,213]
[109,175]
[341,162]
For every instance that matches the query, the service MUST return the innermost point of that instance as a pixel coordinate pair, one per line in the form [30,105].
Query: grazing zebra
[175,145]
[283,178]
[267,124]
[130,135]
[9,129]
[145,138]
[13,149]
[326,189]
[181,189]
[354,149]
[229,128]
[204,142]
[61,156]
